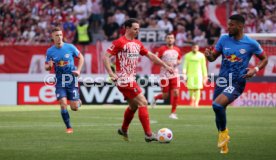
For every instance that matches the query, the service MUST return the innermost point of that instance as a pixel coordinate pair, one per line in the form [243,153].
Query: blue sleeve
[219,45]
[257,48]
[75,51]
[48,56]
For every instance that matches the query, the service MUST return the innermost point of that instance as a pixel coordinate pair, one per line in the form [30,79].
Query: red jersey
[127,54]
[169,56]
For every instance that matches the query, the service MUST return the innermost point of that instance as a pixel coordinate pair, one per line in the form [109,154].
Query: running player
[61,57]
[236,49]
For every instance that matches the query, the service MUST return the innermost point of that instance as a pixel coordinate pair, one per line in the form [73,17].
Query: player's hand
[183,79]
[76,73]
[170,69]
[51,63]
[208,52]
[170,64]
[251,72]
[113,77]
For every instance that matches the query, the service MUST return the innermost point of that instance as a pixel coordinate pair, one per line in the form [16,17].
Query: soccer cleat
[153,103]
[153,137]
[124,134]
[69,130]
[224,149]
[173,116]
[223,138]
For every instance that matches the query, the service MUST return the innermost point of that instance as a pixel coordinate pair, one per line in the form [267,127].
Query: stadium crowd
[29,22]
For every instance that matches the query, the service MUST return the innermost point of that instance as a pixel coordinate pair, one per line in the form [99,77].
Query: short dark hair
[128,23]
[194,44]
[168,34]
[237,17]
[57,28]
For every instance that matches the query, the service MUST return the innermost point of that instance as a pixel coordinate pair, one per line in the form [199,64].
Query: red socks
[128,116]
[159,96]
[144,119]
[143,116]
[174,103]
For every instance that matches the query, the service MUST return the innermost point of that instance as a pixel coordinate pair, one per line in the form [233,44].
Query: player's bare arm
[106,60]
[252,71]
[49,65]
[158,61]
[211,55]
[80,64]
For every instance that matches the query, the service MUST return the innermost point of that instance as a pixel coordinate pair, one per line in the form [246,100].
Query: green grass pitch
[37,133]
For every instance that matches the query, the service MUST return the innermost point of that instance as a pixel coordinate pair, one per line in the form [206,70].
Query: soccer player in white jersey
[169,82]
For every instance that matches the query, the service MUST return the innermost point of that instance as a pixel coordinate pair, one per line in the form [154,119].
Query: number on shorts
[229,89]
[75,93]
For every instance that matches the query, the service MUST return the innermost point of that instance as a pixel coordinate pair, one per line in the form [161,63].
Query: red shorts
[169,84]
[130,90]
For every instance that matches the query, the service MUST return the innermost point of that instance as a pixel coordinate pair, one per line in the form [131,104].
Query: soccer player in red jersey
[127,49]
[169,82]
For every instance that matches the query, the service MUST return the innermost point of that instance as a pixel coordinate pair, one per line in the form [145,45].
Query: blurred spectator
[131,12]
[81,10]
[250,24]
[119,16]
[181,36]
[69,29]
[96,15]
[111,29]
[83,37]
[213,33]
[152,24]
[40,15]
[265,25]
[199,37]
[165,24]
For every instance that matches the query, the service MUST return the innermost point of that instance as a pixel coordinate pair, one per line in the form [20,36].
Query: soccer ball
[164,135]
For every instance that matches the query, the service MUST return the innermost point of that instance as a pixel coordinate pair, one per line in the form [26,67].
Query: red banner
[31,59]
[35,93]
[255,94]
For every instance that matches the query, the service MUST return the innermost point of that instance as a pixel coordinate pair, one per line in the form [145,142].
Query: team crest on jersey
[111,47]
[135,90]
[67,55]
[242,51]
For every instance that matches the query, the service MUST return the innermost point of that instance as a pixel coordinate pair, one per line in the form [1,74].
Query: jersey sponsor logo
[233,58]
[226,48]
[242,51]
[62,63]
[67,55]
[132,55]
